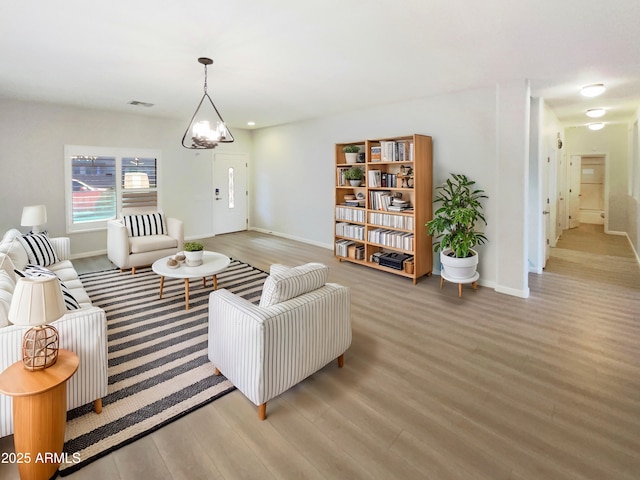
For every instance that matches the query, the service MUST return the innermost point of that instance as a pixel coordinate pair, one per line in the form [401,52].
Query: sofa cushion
[64,270]
[292,282]
[145,224]
[39,249]
[7,285]
[37,271]
[151,243]
[7,266]
[14,250]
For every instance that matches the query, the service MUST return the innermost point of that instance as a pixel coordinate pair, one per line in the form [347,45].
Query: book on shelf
[400,151]
[376,153]
[374,178]
[380,200]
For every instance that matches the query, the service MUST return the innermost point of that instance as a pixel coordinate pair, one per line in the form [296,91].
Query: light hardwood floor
[486,386]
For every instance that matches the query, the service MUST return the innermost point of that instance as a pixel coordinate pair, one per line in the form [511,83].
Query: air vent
[140,104]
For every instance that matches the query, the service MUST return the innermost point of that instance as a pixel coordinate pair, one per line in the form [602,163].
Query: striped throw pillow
[39,249]
[37,271]
[287,284]
[145,224]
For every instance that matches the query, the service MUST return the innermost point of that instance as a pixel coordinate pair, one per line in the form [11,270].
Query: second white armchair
[301,325]
[138,240]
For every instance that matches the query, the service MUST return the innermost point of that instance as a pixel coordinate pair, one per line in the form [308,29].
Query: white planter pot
[355,183]
[459,268]
[351,157]
[194,258]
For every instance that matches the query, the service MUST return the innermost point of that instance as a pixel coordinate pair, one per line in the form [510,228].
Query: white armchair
[301,324]
[138,242]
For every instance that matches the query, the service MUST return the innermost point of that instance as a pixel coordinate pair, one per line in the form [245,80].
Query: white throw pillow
[39,249]
[293,282]
[7,266]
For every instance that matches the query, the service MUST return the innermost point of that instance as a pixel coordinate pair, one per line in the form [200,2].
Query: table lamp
[34,216]
[36,302]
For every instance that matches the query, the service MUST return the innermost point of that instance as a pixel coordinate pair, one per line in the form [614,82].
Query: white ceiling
[278,61]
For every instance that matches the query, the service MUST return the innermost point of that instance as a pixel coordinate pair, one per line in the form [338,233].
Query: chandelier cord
[205,79]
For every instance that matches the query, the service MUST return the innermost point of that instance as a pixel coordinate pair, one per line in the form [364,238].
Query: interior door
[230,192]
[574,191]
[546,209]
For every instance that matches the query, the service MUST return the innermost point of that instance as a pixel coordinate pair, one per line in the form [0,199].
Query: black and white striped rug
[158,364]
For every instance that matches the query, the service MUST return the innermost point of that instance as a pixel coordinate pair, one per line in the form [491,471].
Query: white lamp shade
[36,301]
[34,215]
[136,180]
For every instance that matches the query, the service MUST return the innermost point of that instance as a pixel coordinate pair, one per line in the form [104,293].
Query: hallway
[589,254]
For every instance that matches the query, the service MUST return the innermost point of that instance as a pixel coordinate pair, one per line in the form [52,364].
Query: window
[101,181]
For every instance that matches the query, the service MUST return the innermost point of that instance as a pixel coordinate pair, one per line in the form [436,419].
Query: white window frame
[71,151]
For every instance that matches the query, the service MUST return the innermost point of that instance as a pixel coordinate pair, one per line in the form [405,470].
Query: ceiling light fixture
[596,126]
[595,112]
[207,128]
[593,90]
[251,124]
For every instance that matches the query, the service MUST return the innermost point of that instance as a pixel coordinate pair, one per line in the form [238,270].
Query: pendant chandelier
[207,128]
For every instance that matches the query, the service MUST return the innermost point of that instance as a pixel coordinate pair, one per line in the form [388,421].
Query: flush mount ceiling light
[595,112]
[596,126]
[207,128]
[593,90]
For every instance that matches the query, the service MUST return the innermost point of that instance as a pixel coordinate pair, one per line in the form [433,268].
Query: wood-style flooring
[486,386]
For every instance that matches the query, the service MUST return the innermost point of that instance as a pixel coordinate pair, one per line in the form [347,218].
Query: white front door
[230,192]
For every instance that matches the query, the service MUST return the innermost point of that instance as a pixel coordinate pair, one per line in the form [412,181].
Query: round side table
[39,413]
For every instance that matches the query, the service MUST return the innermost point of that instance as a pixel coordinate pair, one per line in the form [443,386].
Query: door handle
[546,212]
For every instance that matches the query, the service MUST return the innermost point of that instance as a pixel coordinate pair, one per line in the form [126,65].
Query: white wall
[482,133]
[32,139]
[293,169]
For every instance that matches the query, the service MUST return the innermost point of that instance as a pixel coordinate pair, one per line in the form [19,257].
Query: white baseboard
[512,291]
[88,254]
[291,237]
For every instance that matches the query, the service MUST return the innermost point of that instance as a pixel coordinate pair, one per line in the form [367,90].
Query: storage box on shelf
[384,217]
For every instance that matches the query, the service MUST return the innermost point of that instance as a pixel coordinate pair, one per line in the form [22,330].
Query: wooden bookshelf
[374,228]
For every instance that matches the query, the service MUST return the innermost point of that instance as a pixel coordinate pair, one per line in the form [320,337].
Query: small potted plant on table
[194,252]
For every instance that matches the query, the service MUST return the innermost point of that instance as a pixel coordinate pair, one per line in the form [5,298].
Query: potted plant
[354,175]
[351,153]
[454,225]
[194,252]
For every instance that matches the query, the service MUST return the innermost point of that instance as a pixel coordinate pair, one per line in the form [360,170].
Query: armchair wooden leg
[262,411]
[133,270]
[341,361]
[97,405]
[217,372]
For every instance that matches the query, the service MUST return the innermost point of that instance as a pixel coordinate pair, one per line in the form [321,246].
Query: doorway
[230,192]
[592,190]
[587,190]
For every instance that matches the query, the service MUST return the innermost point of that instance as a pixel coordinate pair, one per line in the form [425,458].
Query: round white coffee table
[212,264]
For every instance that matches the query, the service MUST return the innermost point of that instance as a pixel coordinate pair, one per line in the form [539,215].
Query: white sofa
[301,324]
[140,248]
[83,331]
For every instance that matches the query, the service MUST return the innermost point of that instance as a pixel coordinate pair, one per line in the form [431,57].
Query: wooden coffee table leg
[215,282]
[186,294]
[161,285]
[204,282]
